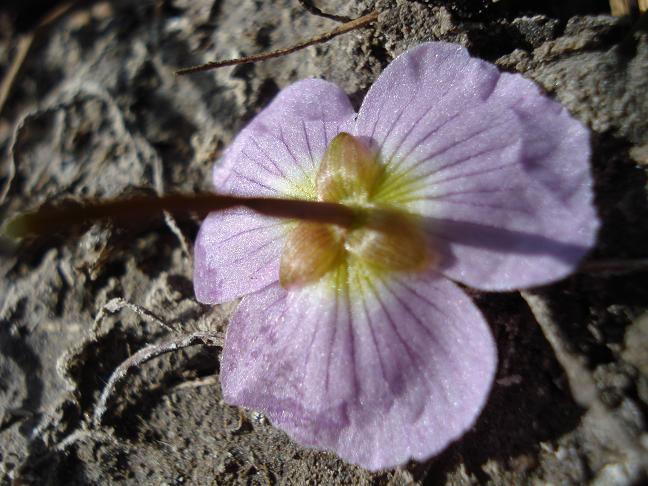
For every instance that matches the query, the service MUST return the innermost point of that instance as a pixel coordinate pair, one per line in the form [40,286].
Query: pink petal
[236,252]
[283,145]
[419,92]
[502,171]
[383,373]
[276,155]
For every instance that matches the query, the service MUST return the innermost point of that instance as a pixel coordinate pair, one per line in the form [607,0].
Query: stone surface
[97,111]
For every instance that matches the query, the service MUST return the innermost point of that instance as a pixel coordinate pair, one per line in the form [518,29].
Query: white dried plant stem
[117,304]
[146,354]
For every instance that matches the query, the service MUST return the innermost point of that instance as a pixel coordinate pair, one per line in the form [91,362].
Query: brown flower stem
[342,29]
[137,209]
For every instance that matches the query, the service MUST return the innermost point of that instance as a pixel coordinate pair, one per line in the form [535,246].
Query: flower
[356,340]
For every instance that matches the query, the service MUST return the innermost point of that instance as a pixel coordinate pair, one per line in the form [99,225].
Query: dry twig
[158,180]
[197,383]
[22,49]
[116,304]
[342,29]
[585,393]
[620,8]
[145,355]
[308,5]
[615,267]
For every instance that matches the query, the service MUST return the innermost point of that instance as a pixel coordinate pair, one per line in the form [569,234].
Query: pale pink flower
[382,361]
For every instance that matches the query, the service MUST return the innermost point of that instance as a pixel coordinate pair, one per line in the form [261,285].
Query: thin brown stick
[308,5]
[56,13]
[342,29]
[23,47]
[197,383]
[615,267]
[619,8]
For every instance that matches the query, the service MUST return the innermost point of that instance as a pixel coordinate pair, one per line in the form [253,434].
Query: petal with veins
[379,371]
[283,145]
[237,252]
[500,171]
[420,92]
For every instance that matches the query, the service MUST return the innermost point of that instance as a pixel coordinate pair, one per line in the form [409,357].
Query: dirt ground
[96,110]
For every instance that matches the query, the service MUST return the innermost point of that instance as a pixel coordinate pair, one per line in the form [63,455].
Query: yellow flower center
[387,238]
